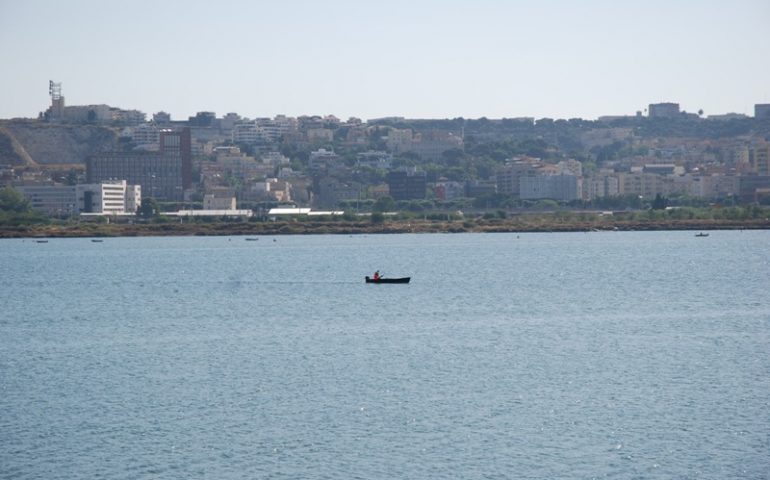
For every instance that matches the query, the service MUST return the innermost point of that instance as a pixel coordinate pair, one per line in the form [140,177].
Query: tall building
[760,155]
[762,111]
[507,177]
[163,175]
[179,143]
[663,110]
[159,175]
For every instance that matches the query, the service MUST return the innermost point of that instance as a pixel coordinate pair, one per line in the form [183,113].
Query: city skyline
[431,60]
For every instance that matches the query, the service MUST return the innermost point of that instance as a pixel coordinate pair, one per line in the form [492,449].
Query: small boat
[388,280]
[96,240]
[41,241]
[252,239]
[701,234]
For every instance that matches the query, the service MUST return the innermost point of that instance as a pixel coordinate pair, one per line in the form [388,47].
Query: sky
[367,59]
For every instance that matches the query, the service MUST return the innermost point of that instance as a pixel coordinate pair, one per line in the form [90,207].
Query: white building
[246,132]
[273,129]
[145,134]
[108,198]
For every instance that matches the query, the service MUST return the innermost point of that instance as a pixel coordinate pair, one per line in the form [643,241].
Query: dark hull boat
[388,280]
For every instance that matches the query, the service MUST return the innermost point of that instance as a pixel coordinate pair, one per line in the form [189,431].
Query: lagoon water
[571,355]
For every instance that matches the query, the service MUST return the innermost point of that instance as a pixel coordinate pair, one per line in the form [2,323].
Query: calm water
[600,355]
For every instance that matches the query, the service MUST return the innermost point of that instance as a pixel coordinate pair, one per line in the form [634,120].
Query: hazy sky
[412,58]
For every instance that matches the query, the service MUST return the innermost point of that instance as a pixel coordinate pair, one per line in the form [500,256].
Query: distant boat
[252,239]
[41,241]
[701,234]
[388,280]
[96,240]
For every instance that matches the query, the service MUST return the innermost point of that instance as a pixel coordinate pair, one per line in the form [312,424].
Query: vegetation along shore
[546,222]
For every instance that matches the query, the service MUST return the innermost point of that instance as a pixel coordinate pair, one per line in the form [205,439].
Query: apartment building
[508,177]
[163,175]
[600,186]
[323,159]
[555,187]
[145,134]
[760,158]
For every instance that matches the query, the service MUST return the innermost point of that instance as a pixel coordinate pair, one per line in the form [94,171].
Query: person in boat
[376,275]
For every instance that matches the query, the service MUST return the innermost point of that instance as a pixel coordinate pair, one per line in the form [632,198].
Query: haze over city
[430,59]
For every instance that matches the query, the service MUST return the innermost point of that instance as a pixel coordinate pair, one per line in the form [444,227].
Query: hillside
[31,142]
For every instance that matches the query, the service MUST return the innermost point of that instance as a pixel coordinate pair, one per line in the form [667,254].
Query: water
[599,355]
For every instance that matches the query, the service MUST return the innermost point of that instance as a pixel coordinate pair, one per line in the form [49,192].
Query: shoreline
[81,230]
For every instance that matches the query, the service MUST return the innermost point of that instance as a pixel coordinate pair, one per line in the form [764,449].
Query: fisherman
[377,275]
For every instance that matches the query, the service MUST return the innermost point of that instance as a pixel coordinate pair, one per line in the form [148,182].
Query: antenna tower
[54,90]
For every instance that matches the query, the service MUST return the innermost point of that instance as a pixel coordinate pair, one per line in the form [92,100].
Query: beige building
[320,135]
[556,187]
[647,185]
[507,177]
[269,189]
[214,202]
[716,186]
[600,186]
[399,140]
[760,158]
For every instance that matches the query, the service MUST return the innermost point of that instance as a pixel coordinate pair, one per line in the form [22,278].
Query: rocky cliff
[32,142]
